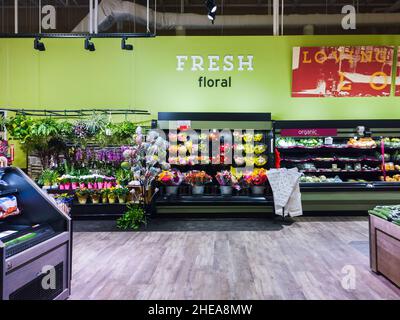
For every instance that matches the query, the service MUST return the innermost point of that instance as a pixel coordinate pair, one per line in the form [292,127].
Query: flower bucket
[67,186]
[95,198]
[61,186]
[95,185]
[82,199]
[90,185]
[198,190]
[100,185]
[226,190]
[74,185]
[171,190]
[82,185]
[109,185]
[258,190]
[104,199]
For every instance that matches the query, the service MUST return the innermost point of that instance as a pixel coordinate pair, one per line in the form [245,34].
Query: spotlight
[89,45]
[125,46]
[211,9]
[37,45]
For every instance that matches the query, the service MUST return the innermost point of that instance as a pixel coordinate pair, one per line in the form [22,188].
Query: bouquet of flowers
[256,178]
[226,178]
[197,178]
[170,177]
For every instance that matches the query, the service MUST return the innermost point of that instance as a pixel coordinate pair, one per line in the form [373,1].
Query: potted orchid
[227,181]
[171,179]
[257,180]
[198,180]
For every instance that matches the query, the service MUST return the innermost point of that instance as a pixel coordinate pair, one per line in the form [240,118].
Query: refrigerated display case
[35,242]
[347,165]
[255,134]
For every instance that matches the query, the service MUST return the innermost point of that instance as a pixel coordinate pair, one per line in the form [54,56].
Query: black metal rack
[211,200]
[335,196]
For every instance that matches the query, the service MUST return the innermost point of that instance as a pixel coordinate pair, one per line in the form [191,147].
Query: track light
[211,9]
[89,45]
[124,45]
[37,45]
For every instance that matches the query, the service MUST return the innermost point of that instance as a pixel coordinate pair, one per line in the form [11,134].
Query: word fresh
[215,63]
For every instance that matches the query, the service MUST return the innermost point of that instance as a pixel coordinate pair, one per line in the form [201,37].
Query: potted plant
[100,181]
[90,183]
[95,196]
[111,195]
[75,183]
[257,180]
[104,195]
[48,178]
[133,218]
[171,179]
[197,179]
[227,181]
[82,195]
[82,183]
[122,194]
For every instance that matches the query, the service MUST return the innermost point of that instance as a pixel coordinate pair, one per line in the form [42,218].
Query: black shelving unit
[354,191]
[212,200]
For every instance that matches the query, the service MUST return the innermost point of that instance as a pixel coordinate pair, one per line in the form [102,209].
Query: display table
[385,248]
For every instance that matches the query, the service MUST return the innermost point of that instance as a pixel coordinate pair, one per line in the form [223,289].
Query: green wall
[67,76]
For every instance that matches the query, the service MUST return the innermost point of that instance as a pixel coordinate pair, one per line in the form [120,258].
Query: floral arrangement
[256,178]
[226,178]
[197,178]
[170,177]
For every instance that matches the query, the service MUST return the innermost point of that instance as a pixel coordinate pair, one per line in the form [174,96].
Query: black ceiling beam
[77,35]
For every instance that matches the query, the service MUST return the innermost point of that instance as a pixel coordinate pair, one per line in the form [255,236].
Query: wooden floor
[303,260]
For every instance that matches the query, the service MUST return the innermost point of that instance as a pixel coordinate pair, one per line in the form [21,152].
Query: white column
[15,16]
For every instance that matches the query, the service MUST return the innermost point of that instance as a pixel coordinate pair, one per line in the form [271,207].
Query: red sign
[308,132]
[342,71]
[398,73]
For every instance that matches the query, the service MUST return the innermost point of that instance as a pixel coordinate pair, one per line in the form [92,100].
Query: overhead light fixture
[125,46]
[37,45]
[89,45]
[211,10]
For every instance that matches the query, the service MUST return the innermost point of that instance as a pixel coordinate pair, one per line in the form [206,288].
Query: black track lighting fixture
[124,45]
[37,45]
[211,10]
[89,45]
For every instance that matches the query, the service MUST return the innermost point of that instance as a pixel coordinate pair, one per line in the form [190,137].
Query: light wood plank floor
[303,260]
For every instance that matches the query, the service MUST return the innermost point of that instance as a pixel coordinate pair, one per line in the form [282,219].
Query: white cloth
[286,191]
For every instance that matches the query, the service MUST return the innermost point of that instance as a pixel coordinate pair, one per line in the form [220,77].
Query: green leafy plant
[133,218]
[18,127]
[48,178]
[123,176]
[120,192]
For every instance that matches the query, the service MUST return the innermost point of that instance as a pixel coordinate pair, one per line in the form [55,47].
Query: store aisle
[302,260]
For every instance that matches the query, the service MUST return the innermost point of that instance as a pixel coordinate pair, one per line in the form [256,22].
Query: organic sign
[316,132]
[342,71]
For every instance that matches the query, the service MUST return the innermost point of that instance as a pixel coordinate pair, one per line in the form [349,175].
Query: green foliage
[19,127]
[123,176]
[121,191]
[48,177]
[133,218]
